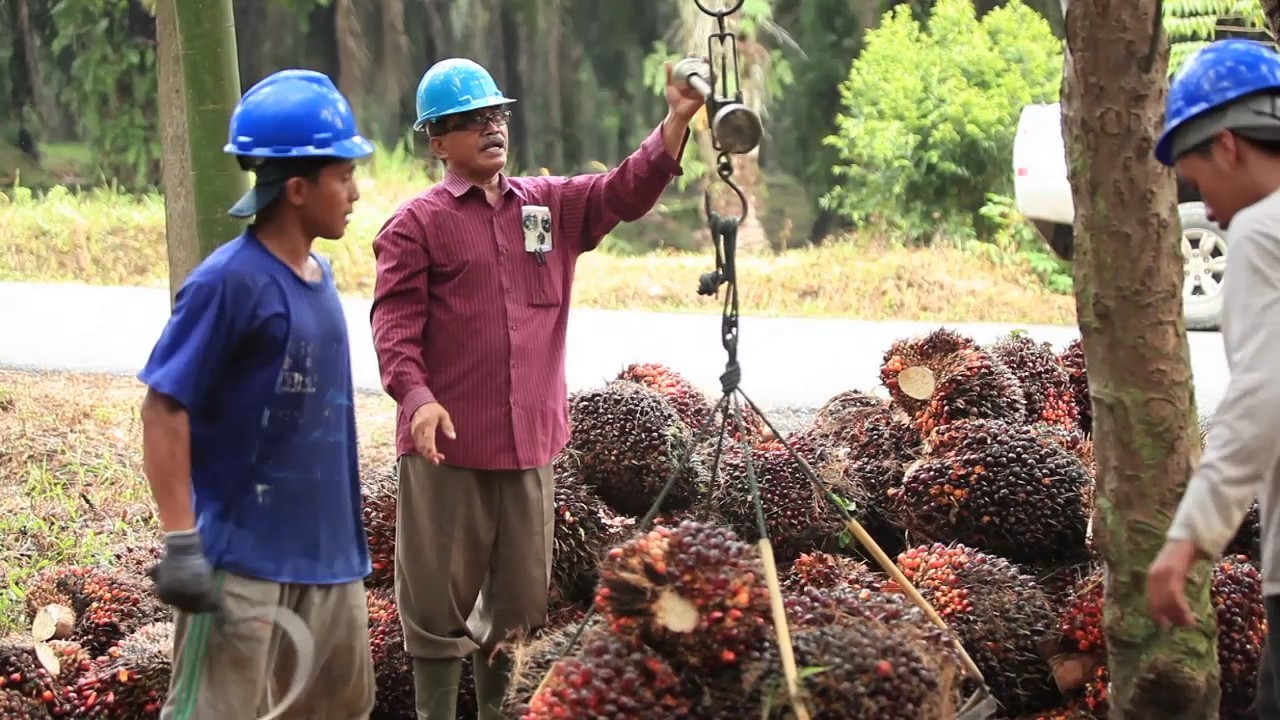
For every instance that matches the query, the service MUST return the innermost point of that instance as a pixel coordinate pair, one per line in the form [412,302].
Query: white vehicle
[1043,196]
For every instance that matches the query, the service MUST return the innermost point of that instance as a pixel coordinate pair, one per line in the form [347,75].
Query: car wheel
[1204,265]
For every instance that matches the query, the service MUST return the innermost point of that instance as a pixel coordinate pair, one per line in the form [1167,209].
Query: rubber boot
[492,676]
[435,688]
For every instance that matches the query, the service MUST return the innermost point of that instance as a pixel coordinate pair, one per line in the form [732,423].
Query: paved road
[786,362]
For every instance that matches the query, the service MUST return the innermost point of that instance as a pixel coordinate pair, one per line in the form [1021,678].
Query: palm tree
[754,61]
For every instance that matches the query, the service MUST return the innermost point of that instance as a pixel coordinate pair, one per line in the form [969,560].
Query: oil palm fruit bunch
[380,490]
[612,677]
[137,677]
[582,529]
[894,663]
[16,706]
[533,656]
[1242,630]
[628,442]
[827,571]
[944,377]
[74,662]
[693,591]
[797,517]
[869,671]
[1072,440]
[392,665]
[1080,626]
[1070,711]
[882,443]
[29,673]
[1097,693]
[841,417]
[1001,615]
[1072,358]
[1046,386]
[1248,538]
[999,487]
[136,558]
[107,603]
[689,402]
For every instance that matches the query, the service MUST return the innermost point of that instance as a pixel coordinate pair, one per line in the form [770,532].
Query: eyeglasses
[476,121]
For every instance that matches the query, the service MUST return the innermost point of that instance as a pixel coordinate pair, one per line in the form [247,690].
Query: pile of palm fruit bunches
[974,472]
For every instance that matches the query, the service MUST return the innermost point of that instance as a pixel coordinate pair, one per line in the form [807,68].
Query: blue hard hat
[455,85]
[295,113]
[1220,73]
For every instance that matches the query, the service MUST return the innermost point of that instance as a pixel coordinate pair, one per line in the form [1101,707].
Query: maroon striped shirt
[464,316]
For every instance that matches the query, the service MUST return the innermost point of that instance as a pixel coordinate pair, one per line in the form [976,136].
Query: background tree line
[913,135]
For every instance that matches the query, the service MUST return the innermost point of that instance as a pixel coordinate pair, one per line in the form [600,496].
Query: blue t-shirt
[259,358]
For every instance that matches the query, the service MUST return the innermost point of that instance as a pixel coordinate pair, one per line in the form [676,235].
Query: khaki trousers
[233,667]
[473,555]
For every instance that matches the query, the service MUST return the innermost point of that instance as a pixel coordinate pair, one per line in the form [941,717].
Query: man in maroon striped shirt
[469,314]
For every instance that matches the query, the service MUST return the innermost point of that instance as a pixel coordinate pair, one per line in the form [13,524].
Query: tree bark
[514,47]
[353,55]
[394,73]
[1128,280]
[199,86]
[30,89]
[754,61]
[551,22]
[1271,11]
[439,28]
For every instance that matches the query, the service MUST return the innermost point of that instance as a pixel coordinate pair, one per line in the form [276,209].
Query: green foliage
[830,37]
[755,21]
[655,75]
[1014,240]
[929,115]
[111,87]
[1192,24]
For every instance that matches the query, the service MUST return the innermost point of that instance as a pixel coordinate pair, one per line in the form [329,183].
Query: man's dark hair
[274,171]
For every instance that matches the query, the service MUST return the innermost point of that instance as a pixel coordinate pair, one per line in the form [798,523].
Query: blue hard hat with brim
[452,86]
[1222,73]
[295,113]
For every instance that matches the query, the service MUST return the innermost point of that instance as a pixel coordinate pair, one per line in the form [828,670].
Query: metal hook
[724,169]
[723,13]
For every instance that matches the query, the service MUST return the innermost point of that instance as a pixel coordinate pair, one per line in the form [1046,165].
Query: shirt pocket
[545,282]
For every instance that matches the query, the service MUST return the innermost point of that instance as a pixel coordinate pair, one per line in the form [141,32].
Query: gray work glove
[183,577]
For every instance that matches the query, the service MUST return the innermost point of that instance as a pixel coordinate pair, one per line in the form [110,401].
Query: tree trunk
[199,86]
[1128,287]
[394,73]
[514,43]
[353,55]
[574,134]
[439,29]
[1271,11]
[754,61]
[28,86]
[550,16]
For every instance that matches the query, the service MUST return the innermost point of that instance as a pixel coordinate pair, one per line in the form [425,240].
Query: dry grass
[108,239]
[71,483]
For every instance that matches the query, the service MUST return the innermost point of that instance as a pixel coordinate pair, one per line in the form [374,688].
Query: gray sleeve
[1242,446]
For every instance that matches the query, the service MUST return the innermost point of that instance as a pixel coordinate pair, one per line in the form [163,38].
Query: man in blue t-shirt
[249,437]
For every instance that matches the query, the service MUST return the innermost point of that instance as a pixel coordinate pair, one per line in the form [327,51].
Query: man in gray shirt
[1222,135]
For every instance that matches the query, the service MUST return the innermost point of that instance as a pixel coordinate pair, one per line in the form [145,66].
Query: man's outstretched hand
[425,422]
[183,577]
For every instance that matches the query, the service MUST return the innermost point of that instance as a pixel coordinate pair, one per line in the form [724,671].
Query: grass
[108,238]
[59,163]
[71,483]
